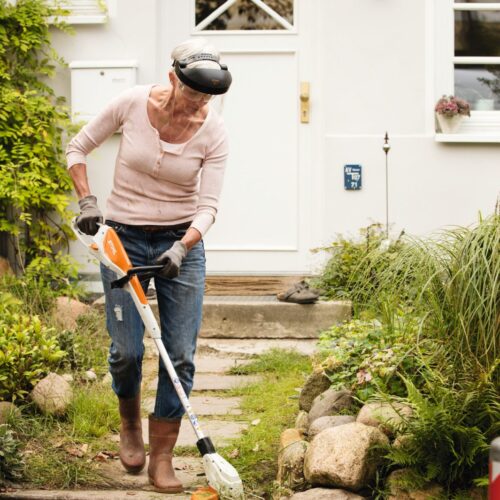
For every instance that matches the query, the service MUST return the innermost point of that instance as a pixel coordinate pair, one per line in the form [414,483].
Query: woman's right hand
[90,215]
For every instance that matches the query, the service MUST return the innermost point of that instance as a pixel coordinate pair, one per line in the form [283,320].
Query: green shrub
[11,464]
[455,279]
[344,271]
[87,345]
[447,439]
[28,349]
[35,188]
[363,355]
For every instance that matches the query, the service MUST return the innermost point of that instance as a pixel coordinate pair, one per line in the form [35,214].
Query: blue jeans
[180,303]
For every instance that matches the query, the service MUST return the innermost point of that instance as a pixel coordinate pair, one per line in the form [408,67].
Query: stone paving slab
[214,382]
[91,495]
[189,470]
[221,431]
[216,364]
[205,405]
[258,346]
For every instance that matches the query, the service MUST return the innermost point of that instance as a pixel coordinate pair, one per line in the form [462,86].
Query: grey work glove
[90,215]
[172,260]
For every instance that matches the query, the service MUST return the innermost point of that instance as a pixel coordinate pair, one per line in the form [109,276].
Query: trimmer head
[223,477]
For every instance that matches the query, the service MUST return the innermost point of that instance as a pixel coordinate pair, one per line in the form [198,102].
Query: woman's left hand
[172,259]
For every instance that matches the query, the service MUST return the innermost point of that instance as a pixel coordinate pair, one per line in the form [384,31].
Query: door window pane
[477,33]
[479,85]
[205,8]
[283,7]
[244,15]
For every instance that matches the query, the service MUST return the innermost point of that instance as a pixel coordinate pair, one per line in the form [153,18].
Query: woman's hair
[195,46]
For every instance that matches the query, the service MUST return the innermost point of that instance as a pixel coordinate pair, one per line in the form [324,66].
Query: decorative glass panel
[477,33]
[479,84]
[283,7]
[245,14]
[205,8]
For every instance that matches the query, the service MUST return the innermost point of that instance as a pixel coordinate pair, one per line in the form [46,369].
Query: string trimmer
[108,249]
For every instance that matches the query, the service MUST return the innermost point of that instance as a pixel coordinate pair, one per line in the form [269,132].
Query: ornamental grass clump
[451,106]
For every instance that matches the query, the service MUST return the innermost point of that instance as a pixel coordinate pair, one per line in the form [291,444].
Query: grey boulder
[325,494]
[315,384]
[52,394]
[291,465]
[342,456]
[322,423]
[386,416]
[329,403]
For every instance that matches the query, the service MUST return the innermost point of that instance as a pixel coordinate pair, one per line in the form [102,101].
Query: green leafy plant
[363,355]
[28,349]
[447,438]
[11,463]
[34,186]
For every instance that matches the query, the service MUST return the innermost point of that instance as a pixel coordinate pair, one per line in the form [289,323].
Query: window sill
[471,138]
[94,19]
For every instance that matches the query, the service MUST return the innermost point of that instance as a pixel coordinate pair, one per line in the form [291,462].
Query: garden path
[220,418]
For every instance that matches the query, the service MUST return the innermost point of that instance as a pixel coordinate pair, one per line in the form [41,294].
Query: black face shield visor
[207,80]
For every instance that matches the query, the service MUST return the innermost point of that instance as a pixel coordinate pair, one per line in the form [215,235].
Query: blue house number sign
[352,177]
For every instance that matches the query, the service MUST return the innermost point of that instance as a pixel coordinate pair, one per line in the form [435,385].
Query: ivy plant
[35,188]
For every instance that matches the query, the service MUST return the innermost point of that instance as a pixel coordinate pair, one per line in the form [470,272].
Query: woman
[167,180]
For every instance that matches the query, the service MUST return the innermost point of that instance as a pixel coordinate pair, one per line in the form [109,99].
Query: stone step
[214,382]
[205,405]
[264,317]
[220,431]
[251,347]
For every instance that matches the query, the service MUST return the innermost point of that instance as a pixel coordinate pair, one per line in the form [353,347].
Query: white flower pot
[449,124]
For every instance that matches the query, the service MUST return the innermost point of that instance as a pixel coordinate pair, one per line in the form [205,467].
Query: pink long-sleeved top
[156,183]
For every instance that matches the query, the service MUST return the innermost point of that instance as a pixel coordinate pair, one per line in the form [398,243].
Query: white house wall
[376,73]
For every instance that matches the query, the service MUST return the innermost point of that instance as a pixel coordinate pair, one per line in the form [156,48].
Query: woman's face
[192,99]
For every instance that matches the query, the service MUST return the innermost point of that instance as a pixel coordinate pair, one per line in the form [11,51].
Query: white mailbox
[95,83]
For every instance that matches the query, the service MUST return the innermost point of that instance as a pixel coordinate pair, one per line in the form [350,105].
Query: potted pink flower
[450,111]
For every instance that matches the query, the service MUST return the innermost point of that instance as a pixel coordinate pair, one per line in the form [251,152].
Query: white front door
[265,223]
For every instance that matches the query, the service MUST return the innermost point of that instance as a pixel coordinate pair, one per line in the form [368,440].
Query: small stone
[343,456]
[315,384]
[107,379]
[323,423]
[256,421]
[288,437]
[386,416]
[398,492]
[90,375]
[68,377]
[7,410]
[302,421]
[325,494]
[67,311]
[291,464]
[52,394]
[329,403]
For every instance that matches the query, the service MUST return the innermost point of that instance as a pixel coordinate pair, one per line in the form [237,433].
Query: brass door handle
[304,102]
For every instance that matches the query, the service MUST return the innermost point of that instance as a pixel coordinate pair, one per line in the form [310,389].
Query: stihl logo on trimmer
[112,246]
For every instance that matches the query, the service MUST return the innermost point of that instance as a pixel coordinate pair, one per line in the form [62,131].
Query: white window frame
[199,29]
[84,11]
[482,126]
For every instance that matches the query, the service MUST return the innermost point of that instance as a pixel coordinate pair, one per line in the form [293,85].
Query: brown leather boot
[132,454]
[162,437]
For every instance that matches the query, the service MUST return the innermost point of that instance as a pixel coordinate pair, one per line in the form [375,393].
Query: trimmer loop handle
[142,271]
